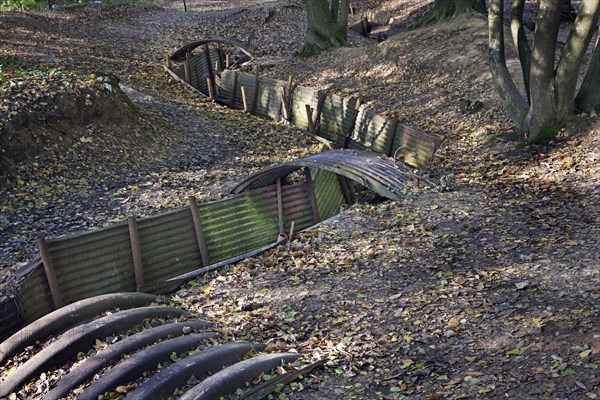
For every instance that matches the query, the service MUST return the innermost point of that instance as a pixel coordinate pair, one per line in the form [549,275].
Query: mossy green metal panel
[296,207]
[34,294]
[93,263]
[337,118]
[328,191]
[226,88]
[269,100]
[300,97]
[372,132]
[239,224]
[416,148]
[199,70]
[168,244]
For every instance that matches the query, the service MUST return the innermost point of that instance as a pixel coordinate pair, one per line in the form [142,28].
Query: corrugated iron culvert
[151,352]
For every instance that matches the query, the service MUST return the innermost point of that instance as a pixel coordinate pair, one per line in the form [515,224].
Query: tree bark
[572,56]
[588,98]
[515,103]
[520,41]
[542,110]
[447,9]
[325,31]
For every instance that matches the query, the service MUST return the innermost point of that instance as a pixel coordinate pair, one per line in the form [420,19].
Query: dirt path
[487,291]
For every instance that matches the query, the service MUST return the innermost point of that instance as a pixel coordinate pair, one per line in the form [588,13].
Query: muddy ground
[488,290]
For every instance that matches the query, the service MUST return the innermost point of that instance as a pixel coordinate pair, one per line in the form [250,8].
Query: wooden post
[284,106]
[317,121]
[280,208]
[50,273]
[394,126]
[312,197]
[211,73]
[255,94]
[211,90]
[289,93]
[234,90]
[244,99]
[136,252]
[353,124]
[365,27]
[187,76]
[346,189]
[227,61]
[309,117]
[221,58]
[168,62]
[216,67]
[198,229]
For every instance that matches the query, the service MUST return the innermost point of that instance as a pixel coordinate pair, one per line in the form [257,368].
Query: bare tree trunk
[520,41]
[588,98]
[542,110]
[515,103]
[446,9]
[572,57]
[324,30]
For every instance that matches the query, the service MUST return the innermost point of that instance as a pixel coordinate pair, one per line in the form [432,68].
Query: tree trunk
[515,103]
[588,98]
[447,9]
[542,109]
[326,27]
[572,56]
[520,41]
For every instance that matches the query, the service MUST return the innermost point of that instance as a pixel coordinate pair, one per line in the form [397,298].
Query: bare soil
[489,290]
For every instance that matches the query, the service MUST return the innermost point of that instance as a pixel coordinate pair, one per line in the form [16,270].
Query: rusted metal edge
[145,360]
[50,273]
[178,79]
[67,316]
[78,339]
[84,372]
[179,55]
[200,271]
[229,379]
[136,252]
[200,365]
[367,168]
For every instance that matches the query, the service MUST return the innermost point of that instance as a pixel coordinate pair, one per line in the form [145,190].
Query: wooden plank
[244,99]
[233,90]
[198,229]
[50,273]
[211,90]
[187,77]
[280,208]
[312,197]
[211,73]
[346,189]
[309,117]
[136,252]
[317,120]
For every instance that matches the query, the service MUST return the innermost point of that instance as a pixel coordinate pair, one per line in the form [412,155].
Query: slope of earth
[486,291]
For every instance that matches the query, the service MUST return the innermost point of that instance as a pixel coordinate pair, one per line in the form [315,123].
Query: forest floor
[490,290]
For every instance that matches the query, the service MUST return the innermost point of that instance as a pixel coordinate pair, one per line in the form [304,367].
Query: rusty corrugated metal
[296,207]
[225,91]
[168,245]
[200,71]
[300,97]
[34,294]
[367,168]
[239,224]
[413,146]
[269,100]
[337,118]
[179,55]
[11,319]
[93,263]
[328,192]
[373,132]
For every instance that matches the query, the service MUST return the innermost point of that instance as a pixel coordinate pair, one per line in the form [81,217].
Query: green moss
[545,134]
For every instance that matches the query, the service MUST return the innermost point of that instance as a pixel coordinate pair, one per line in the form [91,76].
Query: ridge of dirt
[489,290]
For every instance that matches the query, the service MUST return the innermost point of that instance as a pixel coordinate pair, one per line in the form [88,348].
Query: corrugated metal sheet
[337,118]
[373,132]
[367,168]
[225,91]
[179,55]
[11,319]
[34,294]
[300,97]
[169,246]
[93,263]
[416,147]
[239,224]
[200,71]
[269,101]
[328,192]
[296,207]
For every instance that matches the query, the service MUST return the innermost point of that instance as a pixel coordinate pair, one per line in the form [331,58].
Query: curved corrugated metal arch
[369,169]
[179,55]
